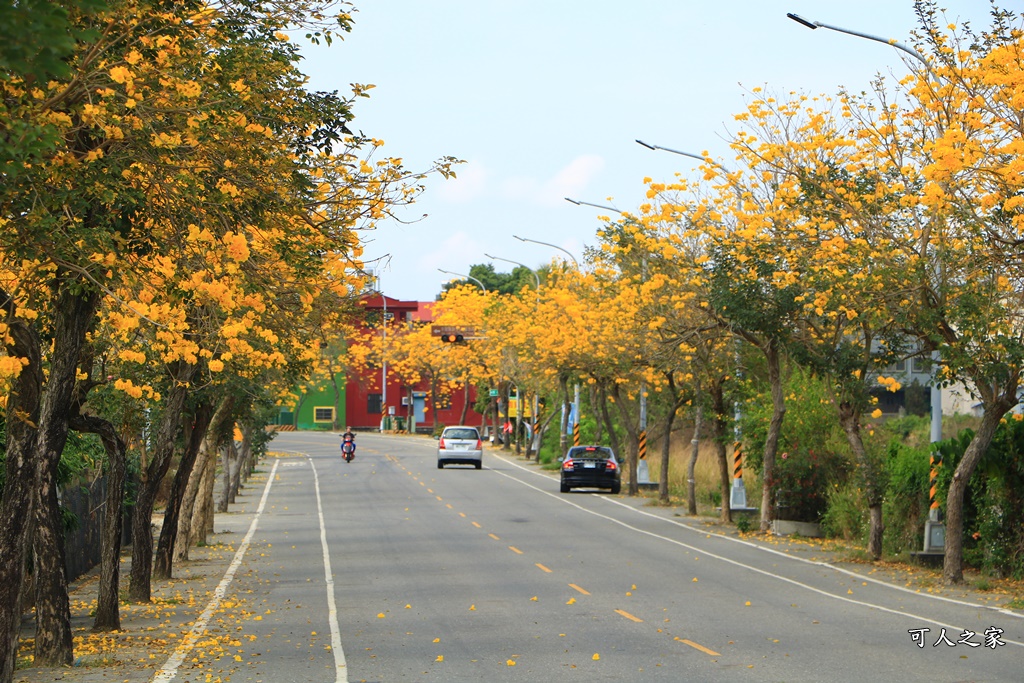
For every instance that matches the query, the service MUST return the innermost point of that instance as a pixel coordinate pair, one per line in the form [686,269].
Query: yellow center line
[573,585]
[462,514]
[448,505]
[494,537]
[629,616]
[543,568]
[476,524]
[699,647]
[516,550]
[430,490]
[439,497]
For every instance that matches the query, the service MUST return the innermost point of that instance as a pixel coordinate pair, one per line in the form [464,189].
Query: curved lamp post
[467,277]
[553,246]
[523,265]
[887,41]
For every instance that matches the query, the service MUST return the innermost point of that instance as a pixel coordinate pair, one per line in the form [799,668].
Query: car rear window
[464,433]
[590,452]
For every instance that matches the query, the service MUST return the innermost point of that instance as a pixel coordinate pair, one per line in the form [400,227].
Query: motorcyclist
[348,437]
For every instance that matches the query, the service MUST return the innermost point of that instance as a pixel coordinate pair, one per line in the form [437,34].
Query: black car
[591,467]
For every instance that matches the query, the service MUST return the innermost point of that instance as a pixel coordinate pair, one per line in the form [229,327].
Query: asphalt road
[388,569]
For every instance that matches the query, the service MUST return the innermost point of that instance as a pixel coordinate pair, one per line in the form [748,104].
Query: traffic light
[452,338]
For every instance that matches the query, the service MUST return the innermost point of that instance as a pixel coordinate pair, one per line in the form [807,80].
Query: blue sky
[544,99]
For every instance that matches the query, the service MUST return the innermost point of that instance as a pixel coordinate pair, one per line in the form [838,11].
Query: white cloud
[572,180]
[470,182]
[452,254]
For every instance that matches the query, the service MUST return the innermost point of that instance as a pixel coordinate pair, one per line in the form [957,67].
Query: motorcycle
[348,450]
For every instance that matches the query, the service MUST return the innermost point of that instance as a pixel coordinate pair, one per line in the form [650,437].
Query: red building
[366,403]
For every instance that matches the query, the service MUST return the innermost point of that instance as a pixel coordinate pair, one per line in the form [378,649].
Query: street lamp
[580,202]
[523,265]
[467,277]
[553,246]
[936,391]
[888,41]
[685,154]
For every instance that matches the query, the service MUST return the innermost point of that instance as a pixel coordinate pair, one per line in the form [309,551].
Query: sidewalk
[150,632]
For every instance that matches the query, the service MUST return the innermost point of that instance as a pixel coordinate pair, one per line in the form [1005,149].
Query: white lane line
[170,668]
[340,666]
[793,558]
[737,563]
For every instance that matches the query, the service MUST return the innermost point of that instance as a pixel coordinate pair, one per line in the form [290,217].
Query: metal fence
[82,542]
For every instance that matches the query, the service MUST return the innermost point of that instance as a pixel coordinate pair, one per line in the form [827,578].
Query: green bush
[812,454]
[905,507]
[846,513]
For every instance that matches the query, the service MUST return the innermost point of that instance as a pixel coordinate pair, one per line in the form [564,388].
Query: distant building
[368,396]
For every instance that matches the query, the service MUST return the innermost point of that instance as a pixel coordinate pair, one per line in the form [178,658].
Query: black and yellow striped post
[933,505]
[576,433]
[642,445]
[737,460]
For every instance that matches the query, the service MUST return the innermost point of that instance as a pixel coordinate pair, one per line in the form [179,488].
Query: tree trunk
[632,443]
[184,538]
[75,312]
[849,420]
[598,423]
[613,438]
[691,483]
[228,451]
[236,472]
[108,614]
[995,409]
[719,426]
[139,580]
[163,565]
[202,516]
[771,443]
[247,452]
[465,404]
[22,418]
[433,403]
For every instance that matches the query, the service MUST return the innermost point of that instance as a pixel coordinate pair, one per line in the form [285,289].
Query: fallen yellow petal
[596,657]
[510,662]
[440,658]
[472,608]
[534,598]
[748,603]
[572,601]
[437,640]
[380,615]
[695,579]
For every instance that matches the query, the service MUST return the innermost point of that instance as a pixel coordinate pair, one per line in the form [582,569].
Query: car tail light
[610,466]
[568,464]
[479,444]
[440,444]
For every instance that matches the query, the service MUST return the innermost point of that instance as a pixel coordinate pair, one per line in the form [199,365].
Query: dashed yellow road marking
[462,514]
[448,505]
[495,537]
[476,524]
[573,585]
[629,616]
[699,647]
[516,550]
[543,568]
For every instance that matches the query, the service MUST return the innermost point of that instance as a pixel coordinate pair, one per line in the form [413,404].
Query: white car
[460,445]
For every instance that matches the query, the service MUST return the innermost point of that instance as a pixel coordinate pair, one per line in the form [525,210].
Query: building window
[323,414]
[373,404]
